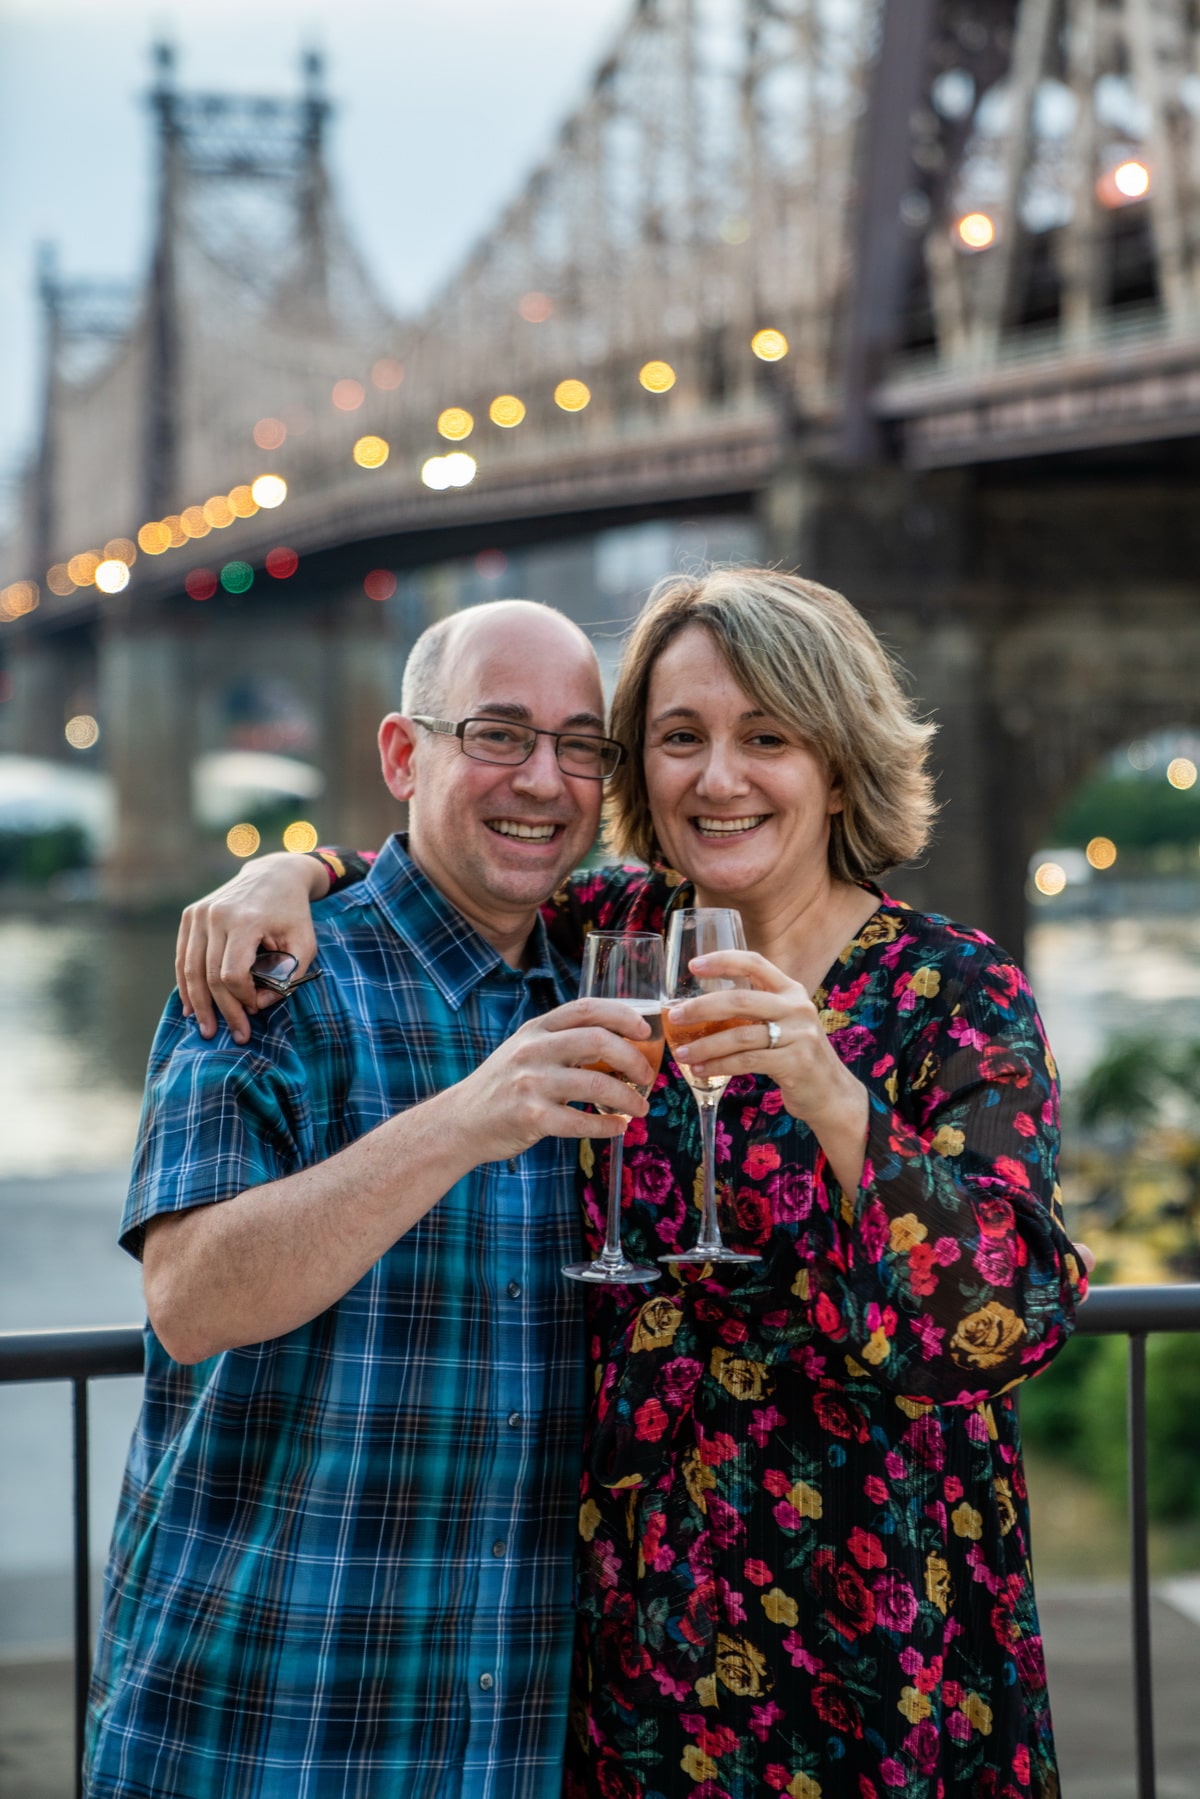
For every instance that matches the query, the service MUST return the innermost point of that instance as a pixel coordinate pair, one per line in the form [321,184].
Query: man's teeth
[509,828]
[726,827]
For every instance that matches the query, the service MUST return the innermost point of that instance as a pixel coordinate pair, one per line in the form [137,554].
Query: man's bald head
[429,669]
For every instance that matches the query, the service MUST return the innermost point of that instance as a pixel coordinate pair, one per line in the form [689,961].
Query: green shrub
[32,858]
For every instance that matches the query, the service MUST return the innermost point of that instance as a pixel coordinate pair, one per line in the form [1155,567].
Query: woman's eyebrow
[691,712]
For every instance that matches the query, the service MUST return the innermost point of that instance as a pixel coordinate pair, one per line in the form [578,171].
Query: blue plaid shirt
[342,1559]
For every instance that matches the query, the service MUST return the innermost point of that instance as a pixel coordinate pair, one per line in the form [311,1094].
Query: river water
[80,1000]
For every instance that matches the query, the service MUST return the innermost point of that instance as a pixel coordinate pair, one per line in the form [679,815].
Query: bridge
[911,286]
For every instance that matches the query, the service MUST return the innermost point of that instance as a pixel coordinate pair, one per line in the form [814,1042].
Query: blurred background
[318,325]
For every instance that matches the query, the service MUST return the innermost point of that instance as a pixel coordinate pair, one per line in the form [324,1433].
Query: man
[342,1559]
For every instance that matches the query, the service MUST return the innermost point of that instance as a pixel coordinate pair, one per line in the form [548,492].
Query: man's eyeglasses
[494,740]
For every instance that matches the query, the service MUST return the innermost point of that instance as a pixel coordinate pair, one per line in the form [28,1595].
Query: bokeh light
[535,308]
[193,522]
[121,549]
[18,599]
[572,396]
[269,433]
[348,396]
[1132,179]
[282,562]
[200,584]
[1050,878]
[154,538]
[455,470]
[1181,773]
[506,410]
[82,731]
[112,576]
[387,373]
[976,231]
[268,491]
[491,564]
[1101,852]
[769,345]
[371,452]
[237,577]
[58,580]
[657,377]
[218,512]
[300,837]
[82,568]
[176,535]
[242,502]
[455,423]
[380,584]
[242,840]
[1142,754]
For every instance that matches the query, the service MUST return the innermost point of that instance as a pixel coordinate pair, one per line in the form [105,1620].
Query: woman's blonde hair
[805,656]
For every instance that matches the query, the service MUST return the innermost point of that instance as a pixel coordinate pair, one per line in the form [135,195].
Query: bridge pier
[147,701]
[51,678]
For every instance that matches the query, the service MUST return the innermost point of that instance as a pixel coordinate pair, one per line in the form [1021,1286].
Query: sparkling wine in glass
[624,965]
[700,932]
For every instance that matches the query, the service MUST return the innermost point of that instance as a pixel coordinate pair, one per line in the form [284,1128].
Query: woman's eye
[680,739]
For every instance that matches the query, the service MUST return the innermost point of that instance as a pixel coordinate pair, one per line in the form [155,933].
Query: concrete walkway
[1087,1648]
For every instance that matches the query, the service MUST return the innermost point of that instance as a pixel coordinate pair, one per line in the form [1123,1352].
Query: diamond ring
[773,1034]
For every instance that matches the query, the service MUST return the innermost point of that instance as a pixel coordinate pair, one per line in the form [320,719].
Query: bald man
[342,1558]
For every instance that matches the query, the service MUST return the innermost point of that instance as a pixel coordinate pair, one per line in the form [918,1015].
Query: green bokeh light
[236,577]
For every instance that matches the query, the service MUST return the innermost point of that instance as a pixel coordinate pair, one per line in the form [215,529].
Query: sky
[443,107]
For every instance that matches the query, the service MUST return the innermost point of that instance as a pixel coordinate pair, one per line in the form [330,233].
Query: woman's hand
[816,1085]
[267,904]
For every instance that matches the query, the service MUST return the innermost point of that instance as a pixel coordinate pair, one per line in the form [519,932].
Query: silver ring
[773,1034]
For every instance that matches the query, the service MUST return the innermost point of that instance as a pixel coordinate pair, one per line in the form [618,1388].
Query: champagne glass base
[617,1273]
[710,1255]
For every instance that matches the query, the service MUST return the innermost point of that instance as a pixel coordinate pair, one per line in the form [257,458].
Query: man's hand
[529,1087]
[266,903]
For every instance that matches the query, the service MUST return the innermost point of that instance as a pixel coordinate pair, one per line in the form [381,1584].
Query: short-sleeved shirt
[342,1558]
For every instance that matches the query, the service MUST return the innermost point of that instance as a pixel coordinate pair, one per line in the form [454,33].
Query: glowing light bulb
[1050,878]
[380,583]
[460,468]
[769,345]
[82,568]
[121,549]
[371,452]
[506,410]
[268,434]
[976,231]
[572,396]
[300,837]
[82,731]
[268,491]
[242,502]
[1181,773]
[348,396]
[1101,852]
[1132,179]
[455,423]
[657,377]
[112,576]
[218,512]
[242,840]
[59,581]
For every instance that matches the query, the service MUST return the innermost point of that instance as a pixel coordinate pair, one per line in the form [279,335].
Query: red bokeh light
[269,433]
[380,584]
[200,584]
[282,562]
[348,395]
[491,564]
[535,307]
[387,373]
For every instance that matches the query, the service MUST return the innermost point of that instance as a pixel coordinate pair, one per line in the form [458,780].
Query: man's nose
[540,774]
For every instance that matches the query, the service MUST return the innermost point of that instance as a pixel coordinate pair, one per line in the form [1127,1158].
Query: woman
[804,1532]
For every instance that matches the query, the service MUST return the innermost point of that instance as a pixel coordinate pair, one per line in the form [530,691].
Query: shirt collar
[450,950]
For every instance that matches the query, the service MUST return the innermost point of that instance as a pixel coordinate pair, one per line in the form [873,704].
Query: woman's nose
[723,772]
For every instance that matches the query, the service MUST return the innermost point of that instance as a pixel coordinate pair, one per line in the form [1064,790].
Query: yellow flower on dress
[913,1704]
[905,1231]
[892,1085]
[880,929]
[977,1713]
[967,1522]
[854,1369]
[697,1764]
[938,1585]
[1004,1505]
[806,1499]
[587,1158]
[925,982]
[589,1519]
[947,1140]
[833,1021]
[742,1379]
[657,1323]
[986,1338]
[800,1284]
[780,1607]
[698,1478]
[803,1786]
[877,1348]
[913,1408]
[706,1689]
[741,1667]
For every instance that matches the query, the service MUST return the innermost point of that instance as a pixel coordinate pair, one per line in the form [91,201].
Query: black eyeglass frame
[446,727]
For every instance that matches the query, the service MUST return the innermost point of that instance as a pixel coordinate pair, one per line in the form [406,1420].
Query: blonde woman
[804,1535]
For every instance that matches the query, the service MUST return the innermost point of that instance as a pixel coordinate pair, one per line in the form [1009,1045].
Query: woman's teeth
[509,828]
[728,827]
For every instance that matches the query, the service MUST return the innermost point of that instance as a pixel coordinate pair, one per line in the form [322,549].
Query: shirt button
[512,1164]
[514,1289]
[499,1547]
[486,1682]
[514,1420]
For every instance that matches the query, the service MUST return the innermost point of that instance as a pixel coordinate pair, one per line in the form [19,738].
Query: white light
[111,576]
[433,473]
[269,491]
[460,468]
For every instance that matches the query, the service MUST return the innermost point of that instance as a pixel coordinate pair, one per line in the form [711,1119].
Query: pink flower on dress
[762,1159]
[922,1744]
[866,1548]
[762,1422]
[891,1773]
[762,1717]
[800,1655]
[959,1727]
[650,1421]
[996,1262]
[876,1490]
[895,1604]
[758,1573]
[790,1192]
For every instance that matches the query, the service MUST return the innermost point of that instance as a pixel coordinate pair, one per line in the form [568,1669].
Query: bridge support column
[148,718]
[45,679]
[360,685]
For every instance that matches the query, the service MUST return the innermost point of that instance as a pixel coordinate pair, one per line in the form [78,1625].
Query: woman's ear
[397,748]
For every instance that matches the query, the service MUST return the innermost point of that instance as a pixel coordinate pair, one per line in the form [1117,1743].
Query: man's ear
[397,747]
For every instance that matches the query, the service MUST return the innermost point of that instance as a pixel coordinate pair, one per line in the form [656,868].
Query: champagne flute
[699,932]
[624,965]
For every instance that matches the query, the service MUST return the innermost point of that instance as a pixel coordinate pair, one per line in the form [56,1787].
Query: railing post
[83,1572]
[1140,1567]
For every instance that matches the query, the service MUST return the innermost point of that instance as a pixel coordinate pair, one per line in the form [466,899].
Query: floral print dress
[804,1531]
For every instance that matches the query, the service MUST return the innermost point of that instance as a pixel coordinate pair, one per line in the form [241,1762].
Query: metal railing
[79,1356]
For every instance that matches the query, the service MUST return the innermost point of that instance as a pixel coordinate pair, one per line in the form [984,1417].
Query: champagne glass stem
[710,1232]
[612,1236]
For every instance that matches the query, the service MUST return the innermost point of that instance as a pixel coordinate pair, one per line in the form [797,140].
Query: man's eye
[499,735]
[578,746]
